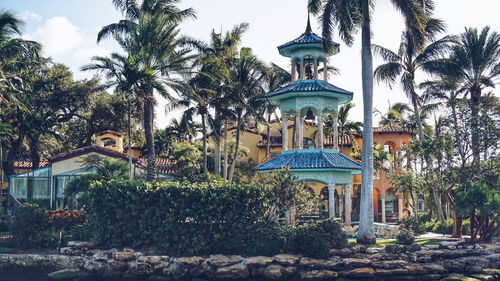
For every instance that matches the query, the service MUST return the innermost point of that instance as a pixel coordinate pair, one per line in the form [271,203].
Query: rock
[483,277]
[358,272]
[448,244]
[384,257]
[431,247]
[429,277]
[473,269]
[491,271]
[258,261]
[391,272]
[95,266]
[394,249]
[318,275]
[412,248]
[389,264]
[374,250]
[81,244]
[123,256]
[117,265]
[434,268]
[71,251]
[223,261]
[459,277]
[416,269]
[275,271]
[158,278]
[64,274]
[189,261]
[140,268]
[331,263]
[101,256]
[173,269]
[287,260]
[359,249]
[150,259]
[454,265]
[160,266]
[476,261]
[345,252]
[232,272]
[350,262]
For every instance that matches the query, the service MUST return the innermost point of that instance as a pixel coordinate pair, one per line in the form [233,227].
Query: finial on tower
[308,28]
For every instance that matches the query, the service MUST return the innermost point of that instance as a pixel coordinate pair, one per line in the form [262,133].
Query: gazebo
[311,98]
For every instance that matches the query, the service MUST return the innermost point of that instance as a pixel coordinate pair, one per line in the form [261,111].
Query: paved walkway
[439,236]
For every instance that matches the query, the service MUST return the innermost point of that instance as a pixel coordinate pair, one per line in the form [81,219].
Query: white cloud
[59,36]
[28,15]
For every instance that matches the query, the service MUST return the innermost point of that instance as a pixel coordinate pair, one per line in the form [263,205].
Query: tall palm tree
[349,16]
[475,65]
[411,56]
[149,36]
[346,127]
[396,115]
[215,59]
[246,94]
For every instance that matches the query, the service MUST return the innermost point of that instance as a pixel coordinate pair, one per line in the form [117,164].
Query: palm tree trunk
[236,148]
[414,102]
[204,133]
[474,106]
[366,224]
[14,153]
[268,144]
[457,132]
[226,153]
[148,131]
[217,155]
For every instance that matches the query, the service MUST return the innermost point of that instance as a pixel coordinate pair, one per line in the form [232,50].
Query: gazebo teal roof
[308,40]
[310,159]
[311,87]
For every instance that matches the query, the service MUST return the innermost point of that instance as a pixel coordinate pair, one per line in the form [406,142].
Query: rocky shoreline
[447,261]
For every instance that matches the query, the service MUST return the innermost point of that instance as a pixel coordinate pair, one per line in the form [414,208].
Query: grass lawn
[381,243]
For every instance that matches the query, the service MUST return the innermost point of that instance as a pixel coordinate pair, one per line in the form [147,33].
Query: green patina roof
[309,86]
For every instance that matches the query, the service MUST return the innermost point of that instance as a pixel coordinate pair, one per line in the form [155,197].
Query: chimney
[110,140]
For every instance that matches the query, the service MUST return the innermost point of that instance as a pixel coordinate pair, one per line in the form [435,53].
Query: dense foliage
[224,219]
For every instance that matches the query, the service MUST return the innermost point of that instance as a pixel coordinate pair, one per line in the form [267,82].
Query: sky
[68,30]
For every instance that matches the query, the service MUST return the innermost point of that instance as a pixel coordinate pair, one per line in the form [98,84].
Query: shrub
[413,224]
[28,219]
[316,239]
[443,227]
[405,237]
[64,218]
[268,239]
[177,218]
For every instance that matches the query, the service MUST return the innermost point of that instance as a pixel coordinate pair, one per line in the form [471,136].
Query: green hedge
[198,218]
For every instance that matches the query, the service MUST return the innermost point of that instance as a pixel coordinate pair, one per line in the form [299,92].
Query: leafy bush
[4,226]
[268,239]
[405,237]
[28,219]
[315,240]
[413,224]
[178,218]
[63,218]
[444,227]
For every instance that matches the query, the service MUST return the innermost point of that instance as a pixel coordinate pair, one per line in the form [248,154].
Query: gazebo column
[297,129]
[302,69]
[331,200]
[316,68]
[325,69]
[400,206]
[284,131]
[341,208]
[301,133]
[335,116]
[294,70]
[348,204]
[320,129]
[382,207]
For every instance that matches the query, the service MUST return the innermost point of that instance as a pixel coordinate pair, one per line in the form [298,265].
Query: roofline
[89,149]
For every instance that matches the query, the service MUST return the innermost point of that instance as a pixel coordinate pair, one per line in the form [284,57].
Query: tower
[311,95]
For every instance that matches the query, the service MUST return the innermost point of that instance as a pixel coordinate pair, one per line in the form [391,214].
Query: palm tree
[475,65]
[246,94]
[411,56]
[348,16]
[396,115]
[346,127]
[215,59]
[149,36]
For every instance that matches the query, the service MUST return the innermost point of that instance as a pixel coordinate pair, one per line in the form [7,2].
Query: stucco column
[320,129]
[302,69]
[301,133]
[382,207]
[287,218]
[316,68]
[341,208]
[331,200]
[400,206]
[284,131]
[335,116]
[325,69]
[294,70]
[348,204]
[297,129]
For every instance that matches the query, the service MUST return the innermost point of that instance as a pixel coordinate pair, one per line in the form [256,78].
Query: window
[309,143]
